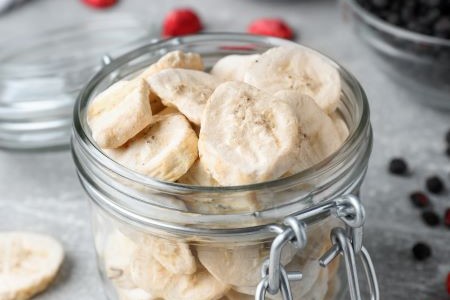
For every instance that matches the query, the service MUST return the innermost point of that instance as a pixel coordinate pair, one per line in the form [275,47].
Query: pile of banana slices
[146,267]
[252,118]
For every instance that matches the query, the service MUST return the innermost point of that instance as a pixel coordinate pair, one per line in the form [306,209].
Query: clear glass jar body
[159,240]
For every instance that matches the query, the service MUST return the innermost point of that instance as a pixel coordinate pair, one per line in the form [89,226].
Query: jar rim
[89,147]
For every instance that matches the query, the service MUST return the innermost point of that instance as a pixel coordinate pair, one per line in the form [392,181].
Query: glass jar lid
[41,74]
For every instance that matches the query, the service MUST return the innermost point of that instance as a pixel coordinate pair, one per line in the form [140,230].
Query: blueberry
[447,151]
[435,185]
[419,199]
[442,27]
[421,251]
[431,218]
[398,166]
[447,137]
[431,3]
[380,3]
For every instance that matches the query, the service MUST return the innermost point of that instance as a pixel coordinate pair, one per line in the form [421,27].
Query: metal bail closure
[347,242]
[342,245]
[274,277]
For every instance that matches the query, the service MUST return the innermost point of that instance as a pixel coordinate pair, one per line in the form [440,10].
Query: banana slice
[117,258]
[174,256]
[310,287]
[151,276]
[298,69]
[164,150]
[198,175]
[174,59]
[199,286]
[318,136]
[247,136]
[28,264]
[239,266]
[234,295]
[340,125]
[119,113]
[233,67]
[319,290]
[187,90]
[134,294]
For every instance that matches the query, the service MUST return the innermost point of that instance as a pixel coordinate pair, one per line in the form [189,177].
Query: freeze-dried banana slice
[314,277]
[319,290]
[234,295]
[28,264]
[299,69]
[318,136]
[233,67]
[134,294]
[151,276]
[119,113]
[175,256]
[340,125]
[199,286]
[239,266]
[174,59]
[164,150]
[117,257]
[187,90]
[247,135]
[198,175]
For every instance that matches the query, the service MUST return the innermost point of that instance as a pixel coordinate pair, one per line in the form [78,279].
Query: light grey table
[40,192]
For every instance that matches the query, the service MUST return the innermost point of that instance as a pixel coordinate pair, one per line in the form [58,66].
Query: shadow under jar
[163,240]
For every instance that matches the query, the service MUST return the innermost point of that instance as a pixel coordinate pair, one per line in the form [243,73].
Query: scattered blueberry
[398,166]
[435,185]
[421,251]
[419,199]
[447,217]
[431,218]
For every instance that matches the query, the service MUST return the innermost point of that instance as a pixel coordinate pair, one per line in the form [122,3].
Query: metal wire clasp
[347,242]
[274,277]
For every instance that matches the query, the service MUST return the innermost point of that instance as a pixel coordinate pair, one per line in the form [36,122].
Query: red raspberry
[448,283]
[100,3]
[181,21]
[447,217]
[271,27]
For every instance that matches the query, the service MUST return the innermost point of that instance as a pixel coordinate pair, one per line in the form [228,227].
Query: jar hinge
[347,242]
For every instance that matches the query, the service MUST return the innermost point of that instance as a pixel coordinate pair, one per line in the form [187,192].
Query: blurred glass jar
[161,240]
[41,75]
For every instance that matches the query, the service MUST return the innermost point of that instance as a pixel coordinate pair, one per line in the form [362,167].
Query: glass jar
[41,75]
[163,240]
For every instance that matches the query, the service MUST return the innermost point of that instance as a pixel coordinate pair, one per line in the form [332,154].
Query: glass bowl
[421,63]
[41,74]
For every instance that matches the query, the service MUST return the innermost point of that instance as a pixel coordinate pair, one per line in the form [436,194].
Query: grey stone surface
[40,191]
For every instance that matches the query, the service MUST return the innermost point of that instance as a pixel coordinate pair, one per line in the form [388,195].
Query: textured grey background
[40,191]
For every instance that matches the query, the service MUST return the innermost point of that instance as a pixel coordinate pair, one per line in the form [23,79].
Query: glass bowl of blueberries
[410,40]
